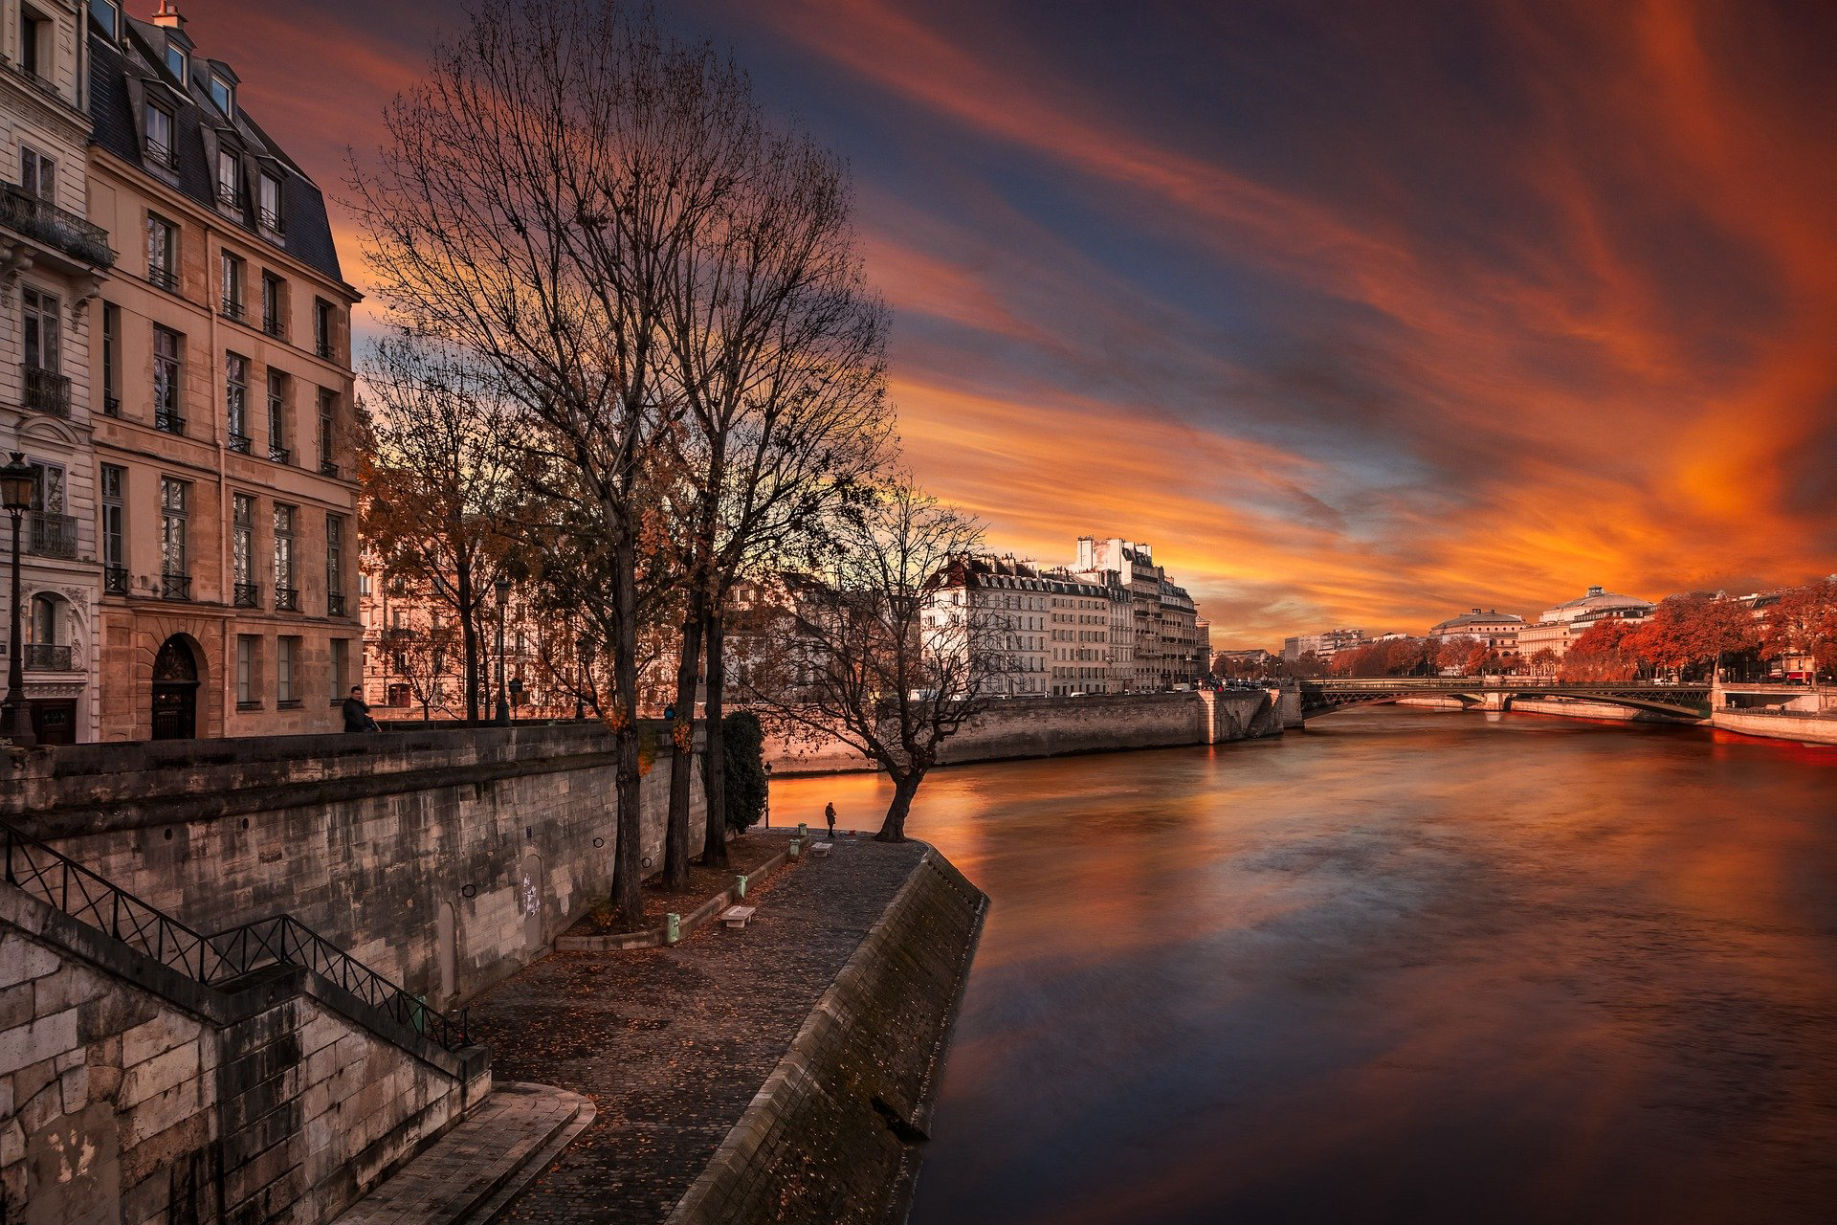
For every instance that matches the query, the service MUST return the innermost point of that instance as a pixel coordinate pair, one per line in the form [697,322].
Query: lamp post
[502,587]
[16,485]
[581,643]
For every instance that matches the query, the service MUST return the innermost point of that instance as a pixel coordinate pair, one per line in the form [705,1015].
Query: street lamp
[17,482]
[502,587]
[581,646]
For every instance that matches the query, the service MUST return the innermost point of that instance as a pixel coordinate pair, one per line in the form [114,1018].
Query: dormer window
[107,16]
[159,134]
[229,179]
[271,218]
[177,63]
[224,95]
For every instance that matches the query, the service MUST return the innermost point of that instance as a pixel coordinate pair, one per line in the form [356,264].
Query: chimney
[1593,591]
[168,16]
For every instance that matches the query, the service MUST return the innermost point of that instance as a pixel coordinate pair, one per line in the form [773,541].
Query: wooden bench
[820,849]
[737,916]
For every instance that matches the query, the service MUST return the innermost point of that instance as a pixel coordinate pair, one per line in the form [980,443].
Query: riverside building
[1563,624]
[1164,632]
[1497,629]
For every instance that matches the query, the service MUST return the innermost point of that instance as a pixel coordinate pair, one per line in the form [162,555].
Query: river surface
[1405,966]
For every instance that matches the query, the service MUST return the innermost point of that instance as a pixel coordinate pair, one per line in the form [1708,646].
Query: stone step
[471,1172]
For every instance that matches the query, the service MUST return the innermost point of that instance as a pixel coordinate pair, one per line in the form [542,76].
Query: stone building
[221,363]
[1563,624]
[52,261]
[1085,621]
[1164,630]
[1497,629]
[1324,645]
[995,608]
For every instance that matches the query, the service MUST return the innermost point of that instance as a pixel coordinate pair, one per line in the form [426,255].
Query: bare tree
[420,658]
[882,663]
[439,481]
[531,197]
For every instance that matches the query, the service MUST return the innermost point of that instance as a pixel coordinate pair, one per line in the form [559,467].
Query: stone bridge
[1686,701]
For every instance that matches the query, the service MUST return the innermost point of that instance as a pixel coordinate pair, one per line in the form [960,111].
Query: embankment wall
[444,859]
[1587,710]
[1805,729]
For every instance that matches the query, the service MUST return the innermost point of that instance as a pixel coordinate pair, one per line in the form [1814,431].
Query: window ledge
[288,704]
[248,706]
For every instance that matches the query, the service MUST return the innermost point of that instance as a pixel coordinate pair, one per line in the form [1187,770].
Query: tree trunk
[627,902]
[468,632]
[714,763]
[893,829]
[682,736]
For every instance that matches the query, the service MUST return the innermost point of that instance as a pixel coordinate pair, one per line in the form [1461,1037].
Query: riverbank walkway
[671,1044]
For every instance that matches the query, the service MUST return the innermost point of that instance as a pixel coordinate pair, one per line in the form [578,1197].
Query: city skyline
[1553,311]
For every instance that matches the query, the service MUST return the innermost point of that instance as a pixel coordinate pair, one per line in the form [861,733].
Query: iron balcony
[46,391]
[42,221]
[52,535]
[48,657]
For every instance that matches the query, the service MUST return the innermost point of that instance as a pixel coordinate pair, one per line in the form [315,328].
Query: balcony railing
[25,213]
[240,442]
[271,324]
[233,309]
[111,406]
[324,348]
[273,222]
[47,657]
[52,535]
[279,455]
[328,468]
[248,595]
[115,580]
[334,605]
[175,586]
[169,420]
[228,196]
[287,599]
[46,391]
[164,278]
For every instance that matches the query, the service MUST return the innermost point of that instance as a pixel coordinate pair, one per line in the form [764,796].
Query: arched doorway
[175,691]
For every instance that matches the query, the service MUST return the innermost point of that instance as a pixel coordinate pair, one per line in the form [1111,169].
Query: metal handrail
[75,236]
[65,885]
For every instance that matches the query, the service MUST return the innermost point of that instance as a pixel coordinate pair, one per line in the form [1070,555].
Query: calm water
[1408,966]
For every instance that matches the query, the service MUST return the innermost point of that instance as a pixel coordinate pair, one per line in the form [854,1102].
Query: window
[159,135]
[229,178]
[286,664]
[114,530]
[167,348]
[41,331]
[111,359]
[107,17]
[236,399]
[328,432]
[273,313]
[37,174]
[277,416]
[223,94]
[270,200]
[334,565]
[174,510]
[162,252]
[242,550]
[322,327]
[286,595]
[248,671]
[176,63]
[233,268]
[34,55]
[341,668]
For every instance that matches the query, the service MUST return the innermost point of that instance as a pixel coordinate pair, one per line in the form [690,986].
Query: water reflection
[1410,966]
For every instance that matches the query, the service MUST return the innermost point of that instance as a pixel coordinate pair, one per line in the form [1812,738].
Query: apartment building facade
[1164,618]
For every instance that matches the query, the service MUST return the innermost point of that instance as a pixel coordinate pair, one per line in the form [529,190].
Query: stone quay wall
[1097,723]
[834,1133]
[444,859]
[1579,709]
[1803,728]
[133,1095]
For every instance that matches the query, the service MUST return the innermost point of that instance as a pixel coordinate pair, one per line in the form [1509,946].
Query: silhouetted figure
[829,815]
[357,712]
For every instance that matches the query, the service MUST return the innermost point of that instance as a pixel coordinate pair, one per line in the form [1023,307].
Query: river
[1407,966]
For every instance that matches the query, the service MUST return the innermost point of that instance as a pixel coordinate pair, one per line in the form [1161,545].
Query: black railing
[334,605]
[67,886]
[46,391]
[111,406]
[52,535]
[240,442]
[228,196]
[169,420]
[287,599]
[328,467]
[25,213]
[324,348]
[47,657]
[279,455]
[175,586]
[273,221]
[163,277]
[271,324]
[248,595]
[115,580]
[233,309]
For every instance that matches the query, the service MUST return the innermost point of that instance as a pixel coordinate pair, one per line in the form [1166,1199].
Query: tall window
[271,218]
[174,511]
[334,565]
[114,529]
[236,399]
[273,318]
[34,57]
[328,432]
[162,252]
[233,269]
[159,135]
[341,668]
[41,330]
[286,595]
[167,351]
[111,359]
[229,178]
[277,416]
[248,667]
[242,550]
[37,174]
[286,665]
[322,327]
[106,14]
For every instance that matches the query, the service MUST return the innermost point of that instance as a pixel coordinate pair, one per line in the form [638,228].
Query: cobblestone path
[671,1044]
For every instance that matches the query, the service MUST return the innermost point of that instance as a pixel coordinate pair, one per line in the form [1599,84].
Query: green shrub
[743,753]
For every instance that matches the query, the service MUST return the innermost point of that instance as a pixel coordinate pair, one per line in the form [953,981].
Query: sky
[1358,313]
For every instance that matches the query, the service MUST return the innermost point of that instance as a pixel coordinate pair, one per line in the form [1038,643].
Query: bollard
[672,928]
[797,845]
[740,886]
[803,829]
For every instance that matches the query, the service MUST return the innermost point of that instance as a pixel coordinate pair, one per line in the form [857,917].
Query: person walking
[357,712]
[829,815]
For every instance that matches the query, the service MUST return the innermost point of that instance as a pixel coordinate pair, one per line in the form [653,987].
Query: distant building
[1563,624]
[1163,616]
[1003,606]
[1497,629]
[1324,645]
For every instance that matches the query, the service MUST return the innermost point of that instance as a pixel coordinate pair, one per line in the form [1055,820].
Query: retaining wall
[833,1134]
[1588,710]
[444,859]
[1806,729]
